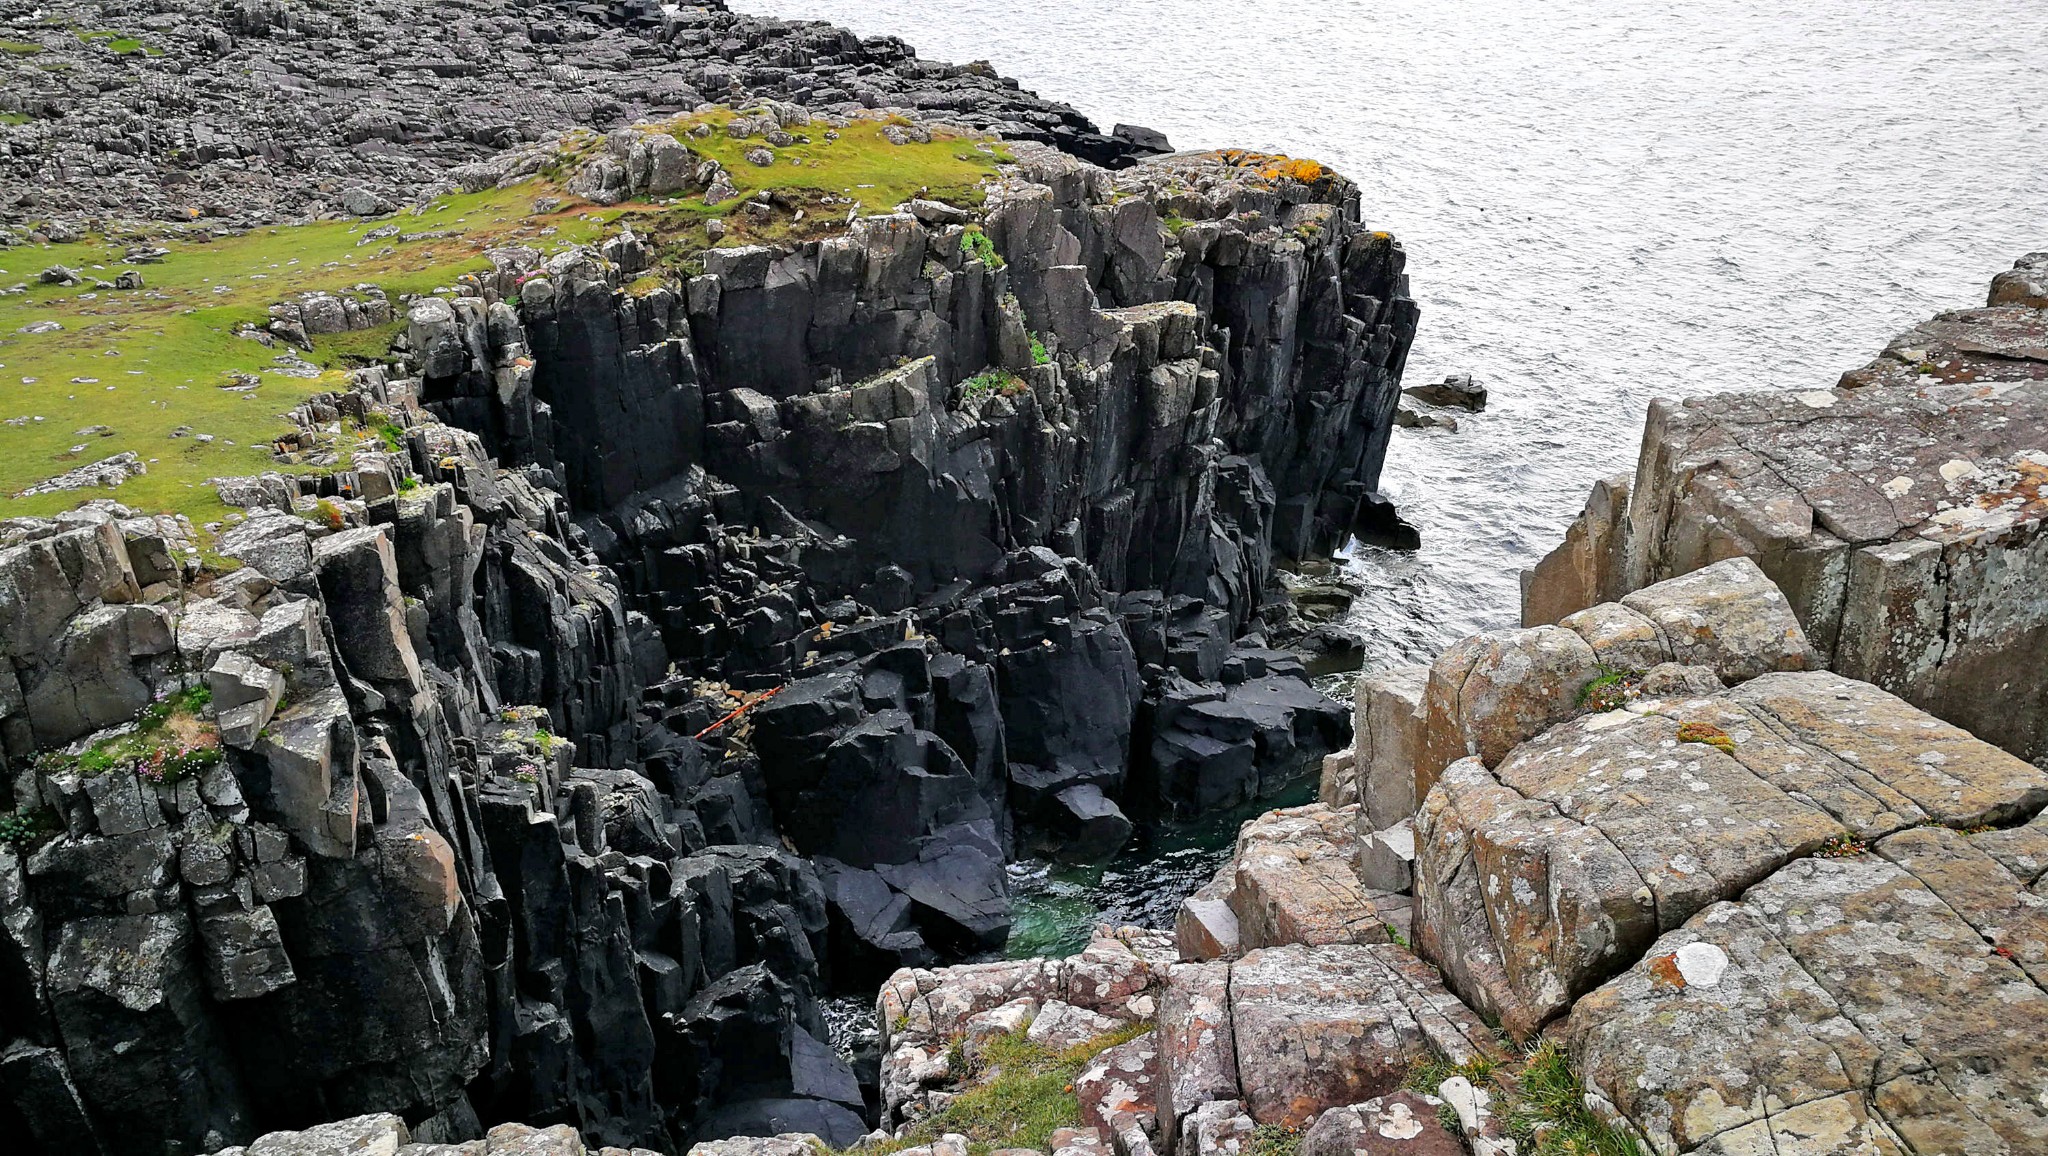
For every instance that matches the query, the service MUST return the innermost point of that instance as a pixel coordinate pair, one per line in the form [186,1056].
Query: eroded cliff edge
[444,803]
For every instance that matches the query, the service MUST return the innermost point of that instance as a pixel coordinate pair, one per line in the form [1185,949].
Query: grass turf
[1025,1094]
[144,362]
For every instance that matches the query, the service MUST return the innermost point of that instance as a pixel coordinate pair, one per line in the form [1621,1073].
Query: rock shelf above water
[1900,511]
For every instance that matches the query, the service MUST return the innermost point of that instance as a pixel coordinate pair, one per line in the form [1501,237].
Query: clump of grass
[991,383]
[1274,1140]
[1610,690]
[328,514]
[390,433]
[1541,1104]
[982,248]
[1025,1094]
[170,742]
[408,484]
[1547,1115]
[1039,355]
[20,47]
[1174,223]
[1708,734]
[1429,1075]
[1426,1077]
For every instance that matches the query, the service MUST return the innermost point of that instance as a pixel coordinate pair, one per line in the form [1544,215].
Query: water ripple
[1603,202]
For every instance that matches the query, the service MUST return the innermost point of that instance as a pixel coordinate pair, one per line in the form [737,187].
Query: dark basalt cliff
[973,511]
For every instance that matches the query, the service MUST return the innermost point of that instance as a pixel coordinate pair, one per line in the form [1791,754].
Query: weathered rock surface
[368,130]
[1383,1126]
[1900,512]
[1538,879]
[1292,1031]
[1295,876]
[1885,1001]
[1116,981]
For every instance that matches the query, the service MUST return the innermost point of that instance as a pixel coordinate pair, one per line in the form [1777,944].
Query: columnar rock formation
[460,822]
[1900,512]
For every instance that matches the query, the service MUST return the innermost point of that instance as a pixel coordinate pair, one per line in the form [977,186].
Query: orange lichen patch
[1275,166]
[1664,973]
[2025,490]
[1305,171]
[1707,733]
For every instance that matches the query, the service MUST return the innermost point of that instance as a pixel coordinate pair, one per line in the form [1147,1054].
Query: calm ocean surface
[1602,202]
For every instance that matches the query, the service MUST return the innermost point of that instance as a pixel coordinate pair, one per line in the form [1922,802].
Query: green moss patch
[120,43]
[20,47]
[87,373]
[1019,1093]
[858,162]
[158,366]
[170,741]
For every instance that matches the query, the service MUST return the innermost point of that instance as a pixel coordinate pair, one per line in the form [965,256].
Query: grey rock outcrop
[1899,511]
[261,112]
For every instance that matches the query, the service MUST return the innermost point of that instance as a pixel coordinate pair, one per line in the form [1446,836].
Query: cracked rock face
[1900,512]
[1537,880]
[1886,1001]
[1292,1031]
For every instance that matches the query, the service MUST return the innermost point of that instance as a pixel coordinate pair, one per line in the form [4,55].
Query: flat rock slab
[1402,1124]
[1296,881]
[1320,1027]
[1887,1001]
[1538,881]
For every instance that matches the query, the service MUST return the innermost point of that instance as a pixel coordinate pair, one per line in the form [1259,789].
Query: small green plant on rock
[989,384]
[20,828]
[1610,690]
[170,742]
[1841,847]
[982,248]
[1039,355]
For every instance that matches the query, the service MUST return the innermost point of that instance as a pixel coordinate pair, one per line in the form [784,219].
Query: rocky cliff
[1900,512]
[669,630]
